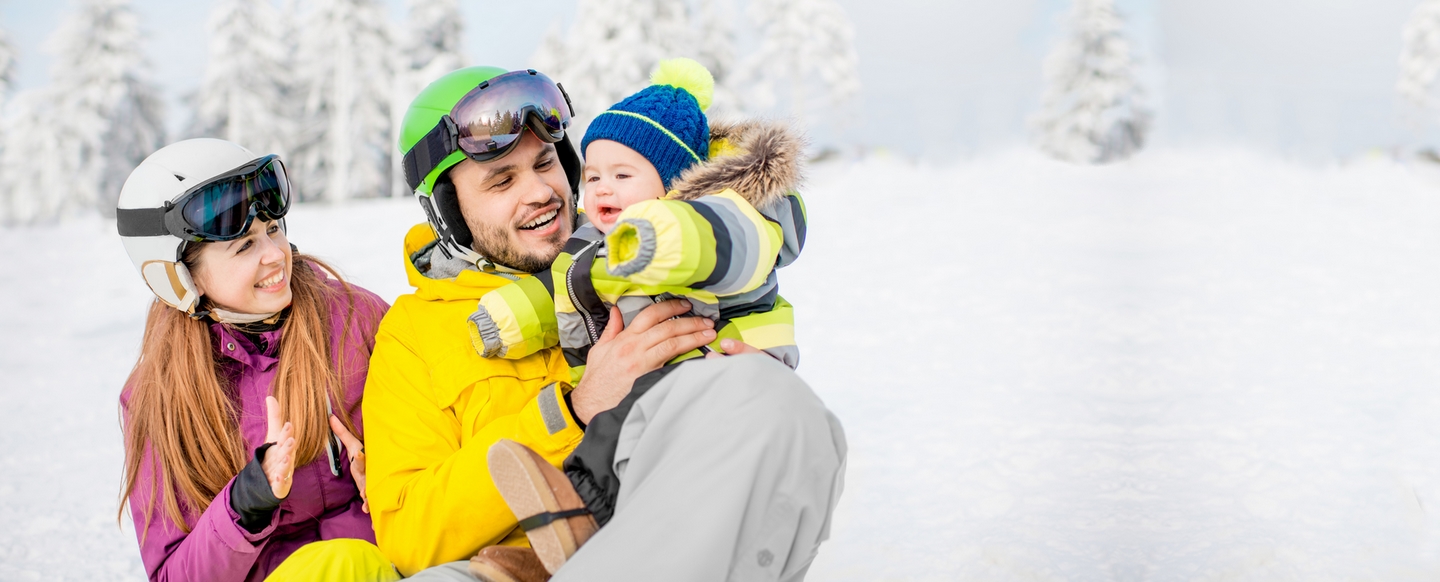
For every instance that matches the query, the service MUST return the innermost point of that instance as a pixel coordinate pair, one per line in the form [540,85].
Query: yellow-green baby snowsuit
[715,239]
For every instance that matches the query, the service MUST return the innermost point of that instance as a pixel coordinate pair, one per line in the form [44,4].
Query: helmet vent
[179,177]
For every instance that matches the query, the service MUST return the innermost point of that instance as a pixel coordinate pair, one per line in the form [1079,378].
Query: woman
[234,467]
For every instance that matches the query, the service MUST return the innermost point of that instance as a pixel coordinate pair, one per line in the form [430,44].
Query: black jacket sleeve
[250,495]
[590,466]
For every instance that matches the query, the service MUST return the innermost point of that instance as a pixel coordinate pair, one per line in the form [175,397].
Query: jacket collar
[759,160]
[447,285]
[232,344]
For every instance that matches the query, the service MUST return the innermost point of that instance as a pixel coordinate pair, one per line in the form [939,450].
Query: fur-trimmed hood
[759,160]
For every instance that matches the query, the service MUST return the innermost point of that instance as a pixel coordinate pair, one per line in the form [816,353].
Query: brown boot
[542,498]
[508,564]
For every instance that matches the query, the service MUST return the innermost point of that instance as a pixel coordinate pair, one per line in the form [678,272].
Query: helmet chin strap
[480,262]
[232,317]
[485,264]
[235,318]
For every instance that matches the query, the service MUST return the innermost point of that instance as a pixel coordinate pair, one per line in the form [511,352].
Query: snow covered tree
[100,103]
[803,43]
[610,50]
[243,97]
[432,47]
[7,65]
[346,75]
[7,78]
[715,30]
[1420,57]
[37,168]
[433,38]
[1093,109]
[553,54]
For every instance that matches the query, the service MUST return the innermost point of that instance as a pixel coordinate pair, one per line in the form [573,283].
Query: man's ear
[447,204]
[573,166]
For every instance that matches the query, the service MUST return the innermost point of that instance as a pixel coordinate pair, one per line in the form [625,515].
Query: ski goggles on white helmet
[488,121]
[218,210]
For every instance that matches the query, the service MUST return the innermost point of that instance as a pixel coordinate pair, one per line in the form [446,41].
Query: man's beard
[494,243]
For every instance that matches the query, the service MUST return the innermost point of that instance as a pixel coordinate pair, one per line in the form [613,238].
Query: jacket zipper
[575,299]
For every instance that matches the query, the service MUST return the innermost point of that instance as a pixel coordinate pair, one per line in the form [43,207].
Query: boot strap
[544,519]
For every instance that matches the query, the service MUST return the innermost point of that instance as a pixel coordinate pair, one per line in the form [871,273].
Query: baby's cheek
[639,195]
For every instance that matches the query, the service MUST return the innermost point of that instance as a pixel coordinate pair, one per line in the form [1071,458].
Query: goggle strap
[426,154]
[141,221]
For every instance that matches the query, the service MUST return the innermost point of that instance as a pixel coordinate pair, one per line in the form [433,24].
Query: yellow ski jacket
[433,407]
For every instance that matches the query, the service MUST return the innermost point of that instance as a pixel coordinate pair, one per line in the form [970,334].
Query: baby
[677,207]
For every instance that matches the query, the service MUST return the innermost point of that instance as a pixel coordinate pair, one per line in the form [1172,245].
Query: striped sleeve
[515,320]
[789,214]
[718,243]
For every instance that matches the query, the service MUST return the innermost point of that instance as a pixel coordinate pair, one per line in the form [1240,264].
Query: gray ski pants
[729,469]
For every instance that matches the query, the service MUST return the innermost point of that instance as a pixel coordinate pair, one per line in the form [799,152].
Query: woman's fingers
[352,444]
[272,420]
[280,466]
[356,450]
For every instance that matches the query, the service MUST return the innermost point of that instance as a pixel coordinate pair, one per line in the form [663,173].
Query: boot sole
[523,486]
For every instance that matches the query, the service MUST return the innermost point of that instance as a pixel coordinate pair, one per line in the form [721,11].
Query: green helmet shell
[435,101]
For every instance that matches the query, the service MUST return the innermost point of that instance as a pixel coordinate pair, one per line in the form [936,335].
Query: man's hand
[279,463]
[736,348]
[624,354]
[356,451]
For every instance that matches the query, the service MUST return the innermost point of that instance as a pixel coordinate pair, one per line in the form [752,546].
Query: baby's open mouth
[607,213]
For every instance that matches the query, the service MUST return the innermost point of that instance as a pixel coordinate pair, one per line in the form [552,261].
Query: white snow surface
[1188,366]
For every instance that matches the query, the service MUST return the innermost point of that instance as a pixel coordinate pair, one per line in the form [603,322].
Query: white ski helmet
[158,183]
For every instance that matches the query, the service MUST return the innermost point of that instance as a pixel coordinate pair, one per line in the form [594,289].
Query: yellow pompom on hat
[664,122]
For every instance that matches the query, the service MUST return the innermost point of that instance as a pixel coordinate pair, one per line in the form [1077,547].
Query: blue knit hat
[664,122]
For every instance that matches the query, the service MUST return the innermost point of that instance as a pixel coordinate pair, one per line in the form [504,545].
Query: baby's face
[616,177]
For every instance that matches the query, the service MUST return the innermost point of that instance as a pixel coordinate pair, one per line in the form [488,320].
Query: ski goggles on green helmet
[488,121]
[221,209]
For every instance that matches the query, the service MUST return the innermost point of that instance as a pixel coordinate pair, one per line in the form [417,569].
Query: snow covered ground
[1202,366]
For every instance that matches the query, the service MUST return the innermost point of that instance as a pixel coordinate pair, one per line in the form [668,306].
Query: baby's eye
[592,178]
[621,176]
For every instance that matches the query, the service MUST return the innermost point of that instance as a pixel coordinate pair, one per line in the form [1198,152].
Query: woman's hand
[356,450]
[279,463]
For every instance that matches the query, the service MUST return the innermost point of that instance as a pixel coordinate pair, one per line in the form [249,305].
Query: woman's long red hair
[181,410]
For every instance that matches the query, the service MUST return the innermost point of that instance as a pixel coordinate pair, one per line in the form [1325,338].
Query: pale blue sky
[1311,78]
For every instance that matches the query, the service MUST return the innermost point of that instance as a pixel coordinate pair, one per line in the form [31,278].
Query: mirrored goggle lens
[221,209]
[492,118]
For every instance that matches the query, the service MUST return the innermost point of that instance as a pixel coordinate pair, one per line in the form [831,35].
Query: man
[487,155]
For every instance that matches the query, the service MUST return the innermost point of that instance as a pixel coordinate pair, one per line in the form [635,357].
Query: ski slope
[1189,366]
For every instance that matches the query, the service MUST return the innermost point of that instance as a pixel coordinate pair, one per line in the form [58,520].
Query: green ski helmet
[435,191]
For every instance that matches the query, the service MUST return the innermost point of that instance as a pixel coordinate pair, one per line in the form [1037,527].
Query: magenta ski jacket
[320,505]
